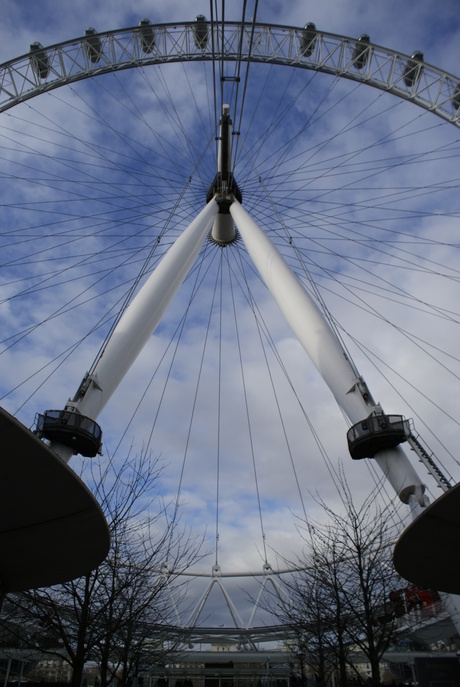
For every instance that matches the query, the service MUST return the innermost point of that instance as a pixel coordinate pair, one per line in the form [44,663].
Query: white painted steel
[144,313]
[385,69]
[321,344]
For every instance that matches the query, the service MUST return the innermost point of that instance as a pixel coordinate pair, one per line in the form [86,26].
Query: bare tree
[115,612]
[359,542]
[306,612]
[340,601]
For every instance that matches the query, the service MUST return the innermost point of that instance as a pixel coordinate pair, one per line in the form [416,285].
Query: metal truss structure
[44,69]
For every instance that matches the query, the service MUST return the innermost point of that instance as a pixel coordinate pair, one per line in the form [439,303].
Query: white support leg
[321,344]
[145,312]
[141,318]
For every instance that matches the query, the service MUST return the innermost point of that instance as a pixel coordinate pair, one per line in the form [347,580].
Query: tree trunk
[80,657]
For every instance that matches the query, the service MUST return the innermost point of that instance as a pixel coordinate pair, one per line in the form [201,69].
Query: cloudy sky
[359,191]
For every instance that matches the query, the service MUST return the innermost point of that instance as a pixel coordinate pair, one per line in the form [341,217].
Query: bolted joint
[224,185]
[224,200]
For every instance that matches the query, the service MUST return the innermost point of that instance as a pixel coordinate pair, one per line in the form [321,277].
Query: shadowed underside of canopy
[51,528]
[428,551]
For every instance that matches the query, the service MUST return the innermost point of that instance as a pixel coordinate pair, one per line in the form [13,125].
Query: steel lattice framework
[74,60]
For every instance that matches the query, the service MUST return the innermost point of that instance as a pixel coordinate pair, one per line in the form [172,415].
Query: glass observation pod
[361,51]
[39,60]
[93,46]
[146,36]
[414,68]
[80,433]
[308,39]
[456,97]
[200,31]
[377,433]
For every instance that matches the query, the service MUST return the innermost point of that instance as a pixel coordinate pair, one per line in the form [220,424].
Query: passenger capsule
[361,51]
[146,35]
[377,433]
[308,39]
[39,60]
[413,69]
[80,433]
[93,46]
[456,97]
[200,32]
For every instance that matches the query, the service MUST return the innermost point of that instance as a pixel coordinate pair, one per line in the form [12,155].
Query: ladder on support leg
[427,457]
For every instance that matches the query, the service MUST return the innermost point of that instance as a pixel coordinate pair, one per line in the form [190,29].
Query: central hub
[224,187]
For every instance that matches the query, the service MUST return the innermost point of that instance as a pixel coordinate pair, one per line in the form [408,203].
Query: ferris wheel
[259,198]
